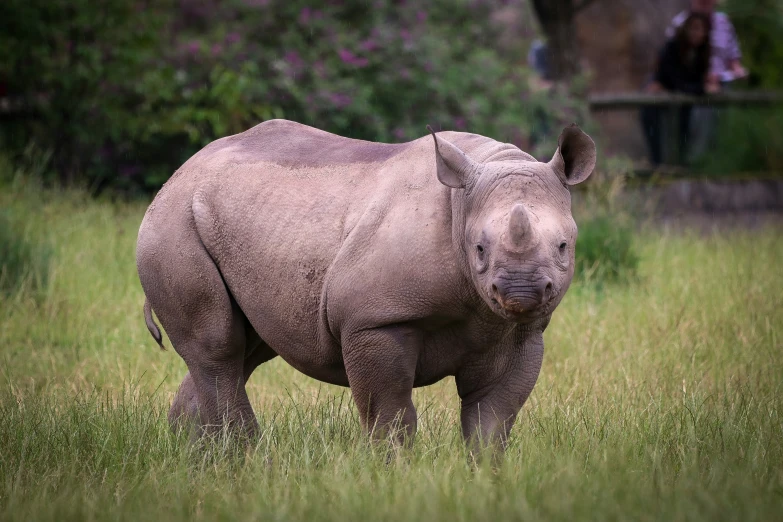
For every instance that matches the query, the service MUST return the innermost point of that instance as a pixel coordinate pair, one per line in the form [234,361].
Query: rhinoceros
[380,267]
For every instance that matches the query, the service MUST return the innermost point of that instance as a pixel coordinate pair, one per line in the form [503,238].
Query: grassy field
[658,400]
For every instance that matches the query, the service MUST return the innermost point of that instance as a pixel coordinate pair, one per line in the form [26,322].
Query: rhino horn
[454,167]
[519,228]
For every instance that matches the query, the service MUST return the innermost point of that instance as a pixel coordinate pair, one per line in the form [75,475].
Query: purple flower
[351,59]
[193,47]
[217,49]
[293,59]
[295,62]
[368,45]
[399,133]
[405,35]
[340,100]
[345,55]
[421,16]
[304,15]
[232,38]
[459,122]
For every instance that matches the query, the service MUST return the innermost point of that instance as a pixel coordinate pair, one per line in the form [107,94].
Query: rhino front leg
[493,392]
[381,366]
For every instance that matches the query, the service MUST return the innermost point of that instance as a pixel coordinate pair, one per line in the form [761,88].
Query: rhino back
[294,145]
[297,146]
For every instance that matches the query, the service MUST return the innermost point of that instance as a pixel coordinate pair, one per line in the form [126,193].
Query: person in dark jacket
[683,66]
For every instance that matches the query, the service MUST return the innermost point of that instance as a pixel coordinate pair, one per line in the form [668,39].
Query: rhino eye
[563,246]
[481,259]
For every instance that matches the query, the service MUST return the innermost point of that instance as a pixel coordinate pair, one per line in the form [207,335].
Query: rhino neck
[458,234]
[469,295]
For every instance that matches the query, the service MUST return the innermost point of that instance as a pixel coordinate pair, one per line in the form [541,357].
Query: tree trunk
[557,21]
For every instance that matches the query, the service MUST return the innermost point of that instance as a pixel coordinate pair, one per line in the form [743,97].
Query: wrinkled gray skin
[375,266]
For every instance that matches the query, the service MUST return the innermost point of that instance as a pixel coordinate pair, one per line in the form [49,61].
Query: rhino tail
[151,326]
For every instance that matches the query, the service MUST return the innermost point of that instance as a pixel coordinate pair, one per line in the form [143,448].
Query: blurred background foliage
[752,139]
[116,95]
[759,26]
[123,92]
[119,93]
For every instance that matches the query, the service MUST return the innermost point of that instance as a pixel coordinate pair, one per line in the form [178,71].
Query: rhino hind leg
[184,412]
[206,328]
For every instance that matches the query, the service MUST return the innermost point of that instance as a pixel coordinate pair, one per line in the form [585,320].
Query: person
[725,65]
[538,60]
[726,57]
[540,81]
[684,61]
[683,66]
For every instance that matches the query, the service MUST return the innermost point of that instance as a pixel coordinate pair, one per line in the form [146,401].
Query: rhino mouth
[520,313]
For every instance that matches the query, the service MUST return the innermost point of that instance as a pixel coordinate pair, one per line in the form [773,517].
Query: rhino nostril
[495,294]
[546,295]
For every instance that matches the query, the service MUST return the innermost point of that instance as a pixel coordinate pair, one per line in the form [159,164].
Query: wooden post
[671,141]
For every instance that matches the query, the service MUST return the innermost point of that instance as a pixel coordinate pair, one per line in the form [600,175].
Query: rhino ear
[453,166]
[574,159]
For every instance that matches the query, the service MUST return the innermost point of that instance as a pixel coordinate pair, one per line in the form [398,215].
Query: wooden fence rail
[631,100]
[670,105]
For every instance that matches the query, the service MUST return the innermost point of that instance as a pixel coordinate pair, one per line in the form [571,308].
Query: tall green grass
[24,264]
[659,399]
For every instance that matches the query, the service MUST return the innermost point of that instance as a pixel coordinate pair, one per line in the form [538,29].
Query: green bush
[124,91]
[746,140]
[759,24]
[605,249]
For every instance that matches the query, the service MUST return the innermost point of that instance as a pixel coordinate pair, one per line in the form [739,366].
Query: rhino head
[513,222]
